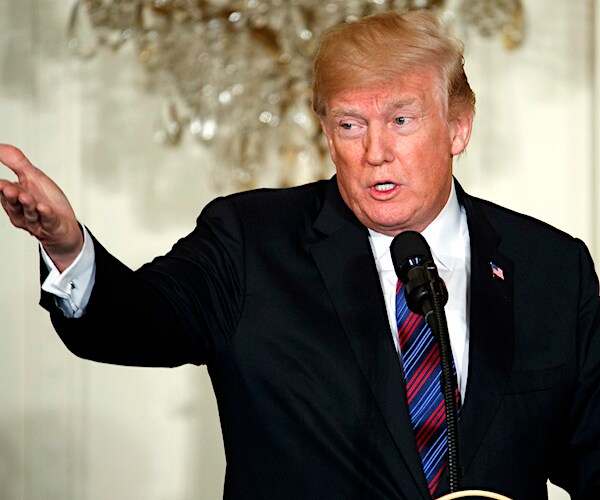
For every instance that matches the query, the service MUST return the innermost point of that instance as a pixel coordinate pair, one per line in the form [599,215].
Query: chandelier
[236,74]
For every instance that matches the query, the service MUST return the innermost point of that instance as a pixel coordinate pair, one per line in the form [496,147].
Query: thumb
[14,159]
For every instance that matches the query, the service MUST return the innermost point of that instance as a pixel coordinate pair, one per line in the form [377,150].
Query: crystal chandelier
[236,74]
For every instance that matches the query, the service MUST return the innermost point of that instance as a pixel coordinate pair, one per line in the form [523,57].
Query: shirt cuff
[72,288]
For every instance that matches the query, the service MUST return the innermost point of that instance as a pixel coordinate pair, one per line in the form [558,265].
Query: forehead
[416,91]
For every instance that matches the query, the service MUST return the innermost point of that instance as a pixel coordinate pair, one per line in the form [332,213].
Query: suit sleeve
[180,308]
[578,471]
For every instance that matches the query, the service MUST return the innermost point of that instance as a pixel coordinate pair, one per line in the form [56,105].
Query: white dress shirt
[447,235]
[73,286]
[448,238]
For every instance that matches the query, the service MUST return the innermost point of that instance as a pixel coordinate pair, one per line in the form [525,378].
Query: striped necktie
[422,371]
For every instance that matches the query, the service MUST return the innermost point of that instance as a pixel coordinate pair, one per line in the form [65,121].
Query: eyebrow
[393,104]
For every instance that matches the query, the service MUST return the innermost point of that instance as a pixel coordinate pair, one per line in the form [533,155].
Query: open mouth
[384,186]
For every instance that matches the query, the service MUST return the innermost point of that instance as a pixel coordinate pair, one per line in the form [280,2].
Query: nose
[378,145]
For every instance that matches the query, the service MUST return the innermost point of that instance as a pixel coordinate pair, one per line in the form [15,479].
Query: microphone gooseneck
[426,294]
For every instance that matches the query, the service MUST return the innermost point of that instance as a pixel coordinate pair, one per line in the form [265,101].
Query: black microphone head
[409,249]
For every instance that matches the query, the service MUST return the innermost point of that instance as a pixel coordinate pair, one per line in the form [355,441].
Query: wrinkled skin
[393,146]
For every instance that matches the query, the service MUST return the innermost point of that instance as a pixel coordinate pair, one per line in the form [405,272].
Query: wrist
[62,253]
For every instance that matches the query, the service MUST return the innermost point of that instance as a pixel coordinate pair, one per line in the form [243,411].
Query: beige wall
[71,429]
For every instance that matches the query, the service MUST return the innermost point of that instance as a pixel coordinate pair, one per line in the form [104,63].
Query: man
[289,297]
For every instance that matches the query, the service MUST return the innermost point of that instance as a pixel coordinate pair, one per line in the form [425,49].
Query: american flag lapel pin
[497,271]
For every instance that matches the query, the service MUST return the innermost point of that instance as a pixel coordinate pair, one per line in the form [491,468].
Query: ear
[460,132]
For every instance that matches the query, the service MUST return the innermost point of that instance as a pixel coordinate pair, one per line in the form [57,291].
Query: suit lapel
[346,264]
[491,344]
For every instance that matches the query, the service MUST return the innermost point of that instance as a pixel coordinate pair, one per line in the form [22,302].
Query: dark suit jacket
[277,292]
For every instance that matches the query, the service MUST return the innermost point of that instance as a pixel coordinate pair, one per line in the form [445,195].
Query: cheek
[347,160]
[348,179]
[351,185]
[436,154]
[431,171]
[337,152]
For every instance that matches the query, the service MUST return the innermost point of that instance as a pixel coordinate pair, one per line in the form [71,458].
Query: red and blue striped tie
[422,370]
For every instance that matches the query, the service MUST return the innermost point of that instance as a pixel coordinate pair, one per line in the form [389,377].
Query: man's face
[393,146]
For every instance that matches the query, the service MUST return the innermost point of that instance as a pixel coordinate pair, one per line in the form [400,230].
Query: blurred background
[143,115]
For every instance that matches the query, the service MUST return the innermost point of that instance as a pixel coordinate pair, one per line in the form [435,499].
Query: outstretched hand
[37,205]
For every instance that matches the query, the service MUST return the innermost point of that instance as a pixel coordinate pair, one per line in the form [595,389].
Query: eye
[401,120]
[349,128]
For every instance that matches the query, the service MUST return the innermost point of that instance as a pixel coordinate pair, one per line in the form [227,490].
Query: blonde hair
[377,48]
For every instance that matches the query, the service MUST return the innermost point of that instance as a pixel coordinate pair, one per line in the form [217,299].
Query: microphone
[414,266]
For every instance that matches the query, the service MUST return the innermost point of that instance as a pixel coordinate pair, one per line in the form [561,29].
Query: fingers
[9,193]
[19,206]
[21,199]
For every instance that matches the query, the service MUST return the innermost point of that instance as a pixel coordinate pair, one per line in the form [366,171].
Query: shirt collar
[442,235]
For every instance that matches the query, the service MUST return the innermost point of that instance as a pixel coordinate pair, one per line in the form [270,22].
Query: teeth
[385,187]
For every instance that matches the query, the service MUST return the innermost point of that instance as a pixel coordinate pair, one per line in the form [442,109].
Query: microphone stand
[436,318]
